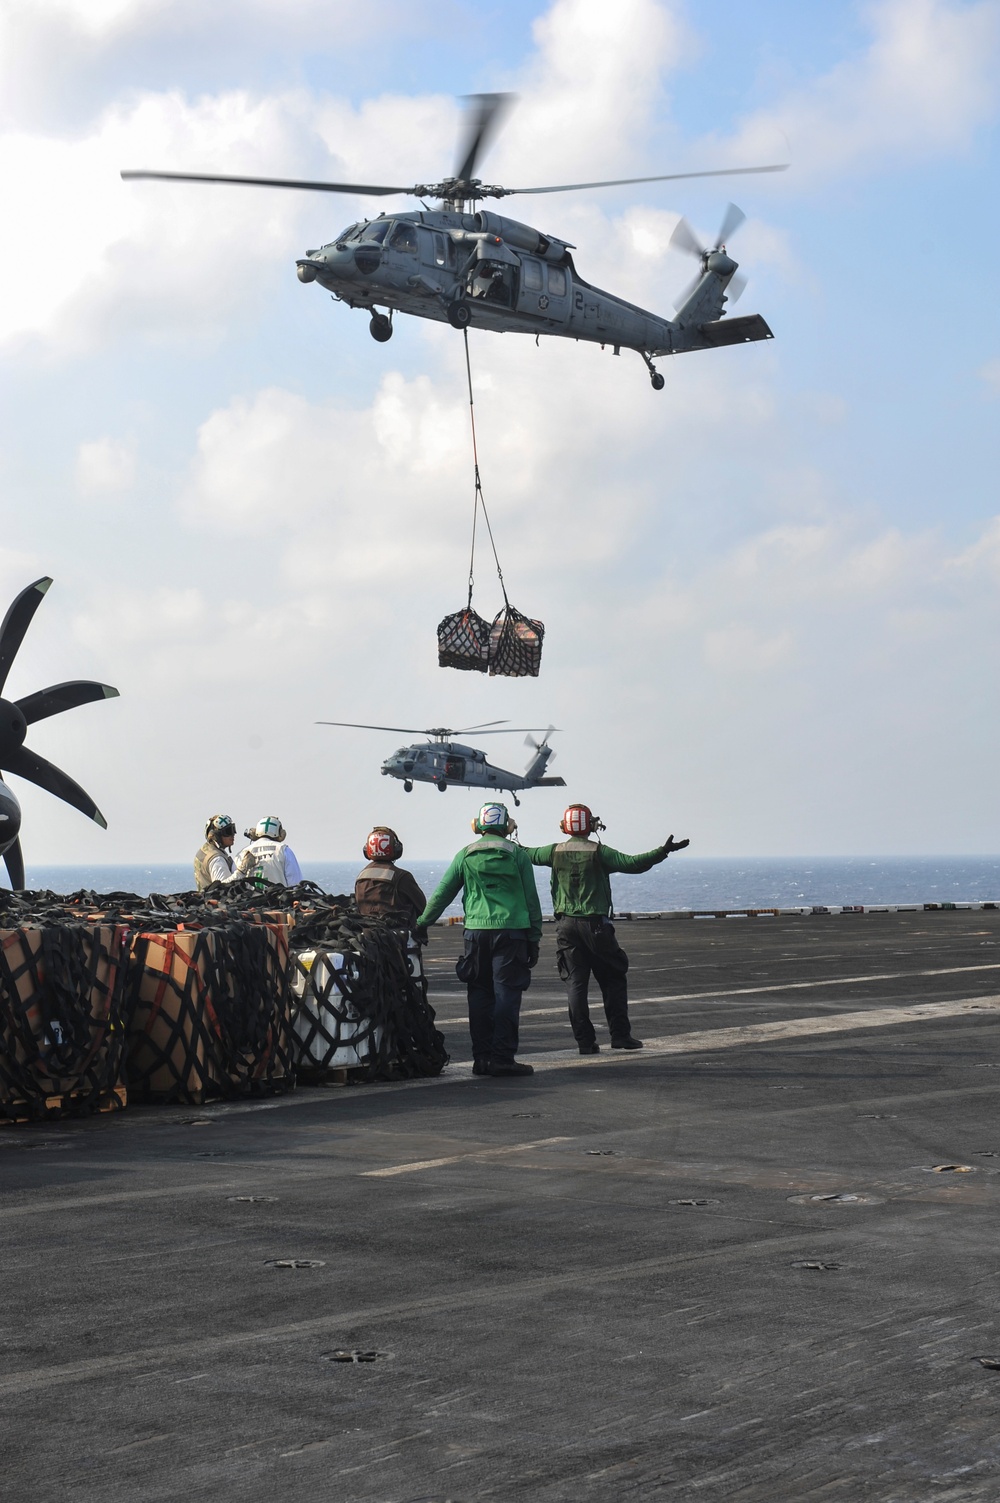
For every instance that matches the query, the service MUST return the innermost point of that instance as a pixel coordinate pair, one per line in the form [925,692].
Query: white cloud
[104,467]
[927,81]
[990,373]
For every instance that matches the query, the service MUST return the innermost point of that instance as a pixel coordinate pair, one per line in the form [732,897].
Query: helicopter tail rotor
[712,258]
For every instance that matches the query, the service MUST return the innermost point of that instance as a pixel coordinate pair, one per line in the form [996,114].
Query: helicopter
[467,265]
[15,717]
[444,762]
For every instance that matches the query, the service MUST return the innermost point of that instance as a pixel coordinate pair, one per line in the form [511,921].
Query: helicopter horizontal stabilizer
[736,330]
[548,783]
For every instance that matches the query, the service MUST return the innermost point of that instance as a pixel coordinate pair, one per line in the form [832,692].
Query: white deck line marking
[765,1033]
[455,1158]
[779,986]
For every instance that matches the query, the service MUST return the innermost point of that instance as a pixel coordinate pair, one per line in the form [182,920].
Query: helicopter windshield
[376,230]
[353,232]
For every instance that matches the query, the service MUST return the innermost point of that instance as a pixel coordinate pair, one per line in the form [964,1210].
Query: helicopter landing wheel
[657,381]
[407,786]
[381,328]
[517,801]
[441,785]
[459,315]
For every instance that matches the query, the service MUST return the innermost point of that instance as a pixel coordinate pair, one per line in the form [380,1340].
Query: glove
[532,956]
[421,934]
[674,845]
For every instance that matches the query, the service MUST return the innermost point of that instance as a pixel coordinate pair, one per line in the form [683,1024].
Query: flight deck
[756,1261]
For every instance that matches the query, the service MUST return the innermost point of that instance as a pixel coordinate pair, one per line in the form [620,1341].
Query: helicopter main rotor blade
[732,219]
[513,730]
[60,697]
[17,621]
[356,725]
[481,726]
[376,189]
[28,764]
[662,177]
[483,118]
[14,862]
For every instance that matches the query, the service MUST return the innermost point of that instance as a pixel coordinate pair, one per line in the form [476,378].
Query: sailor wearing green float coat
[503,925]
[585,936]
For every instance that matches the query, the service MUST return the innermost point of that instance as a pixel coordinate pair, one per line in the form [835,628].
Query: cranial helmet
[270,828]
[383,844]
[579,820]
[493,819]
[219,825]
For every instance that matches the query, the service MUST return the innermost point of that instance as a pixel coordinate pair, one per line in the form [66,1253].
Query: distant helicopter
[443,761]
[15,717]
[477,267]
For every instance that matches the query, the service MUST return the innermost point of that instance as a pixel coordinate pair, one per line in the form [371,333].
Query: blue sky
[770,590]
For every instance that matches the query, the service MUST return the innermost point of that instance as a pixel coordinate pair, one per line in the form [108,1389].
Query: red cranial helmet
[577,820]
[383,844]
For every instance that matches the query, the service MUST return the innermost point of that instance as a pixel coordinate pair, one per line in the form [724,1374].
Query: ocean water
[681,882]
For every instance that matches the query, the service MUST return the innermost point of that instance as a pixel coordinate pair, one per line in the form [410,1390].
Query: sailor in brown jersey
[384,888]
[585,936]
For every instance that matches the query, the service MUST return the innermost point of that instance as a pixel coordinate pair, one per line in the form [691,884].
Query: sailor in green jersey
[585,936]
[503,925]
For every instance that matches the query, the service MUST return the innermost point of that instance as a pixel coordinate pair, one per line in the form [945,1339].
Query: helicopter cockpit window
[531,274]
[376,230]
[557,281]
[404,237]
[353,232]
[421,756]
[439,249]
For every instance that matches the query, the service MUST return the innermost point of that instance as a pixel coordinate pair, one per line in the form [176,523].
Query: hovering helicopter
[443,761]
[17,715]
[472,266]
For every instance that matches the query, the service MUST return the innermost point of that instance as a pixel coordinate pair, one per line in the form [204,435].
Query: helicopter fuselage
[495,273]
[450,762]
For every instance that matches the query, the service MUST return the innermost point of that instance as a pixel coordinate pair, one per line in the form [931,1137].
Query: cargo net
[361,1001]
[62,1021]
[208,1013]
[512,646]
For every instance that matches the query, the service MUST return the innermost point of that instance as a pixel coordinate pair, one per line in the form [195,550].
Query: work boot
[496,1067]
[592,1048]
[481,1066]
[628,1042]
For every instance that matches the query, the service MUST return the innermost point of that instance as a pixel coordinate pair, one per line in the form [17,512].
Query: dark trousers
[587,947]
[495,971]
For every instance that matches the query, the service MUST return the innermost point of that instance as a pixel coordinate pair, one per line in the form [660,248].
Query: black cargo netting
[515,645]
[512,646]
[61,1020]
[464,642]
[208,1014]
[373,1005]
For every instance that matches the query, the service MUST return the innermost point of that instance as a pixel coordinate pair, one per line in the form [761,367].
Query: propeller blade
[376,189]
[28,764]
[17,621]
[663,177]
[731,221]
[737,287]
[483,115]
[684,239]
[683,297]
[404,730]
[52,701]
[14,862]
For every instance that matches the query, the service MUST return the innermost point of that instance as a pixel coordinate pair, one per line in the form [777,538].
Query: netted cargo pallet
[515,645]
[208,1014]
[62,1028]
[464,642]
[361,1003]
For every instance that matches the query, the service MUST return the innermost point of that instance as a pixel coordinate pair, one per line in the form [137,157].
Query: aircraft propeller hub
[13,726]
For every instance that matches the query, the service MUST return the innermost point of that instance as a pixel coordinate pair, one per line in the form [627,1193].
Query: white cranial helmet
[270,828]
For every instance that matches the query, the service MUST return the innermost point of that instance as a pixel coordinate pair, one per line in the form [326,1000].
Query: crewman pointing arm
[585,935]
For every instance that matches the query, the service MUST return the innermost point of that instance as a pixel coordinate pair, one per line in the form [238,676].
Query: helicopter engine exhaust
[520,236]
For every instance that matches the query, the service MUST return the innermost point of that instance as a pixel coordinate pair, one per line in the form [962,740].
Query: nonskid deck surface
[597,1283]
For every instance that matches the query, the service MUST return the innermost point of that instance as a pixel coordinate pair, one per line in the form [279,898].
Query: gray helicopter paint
[452,763]
[403,281]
